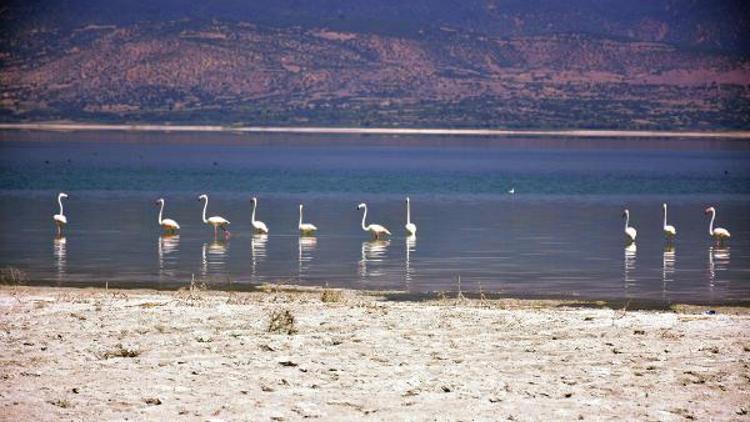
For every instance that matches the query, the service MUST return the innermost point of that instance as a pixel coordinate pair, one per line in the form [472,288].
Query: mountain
[657,64]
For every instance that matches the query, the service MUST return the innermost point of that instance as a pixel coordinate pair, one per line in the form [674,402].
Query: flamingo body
[259,226]
[60,219]
[305,228]
[216,221]
[376,230]
[630,232]
[166,223]
[410,227]
[718,233]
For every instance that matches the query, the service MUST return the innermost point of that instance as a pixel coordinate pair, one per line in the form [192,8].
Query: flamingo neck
[665,217]
[408,212]
[627,220]
[252,217]
[160,211]
[364,216]
[300,218]
[711,224]
[59,201]
[205,206]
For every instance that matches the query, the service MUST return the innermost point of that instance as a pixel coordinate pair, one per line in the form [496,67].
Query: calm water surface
[560,235]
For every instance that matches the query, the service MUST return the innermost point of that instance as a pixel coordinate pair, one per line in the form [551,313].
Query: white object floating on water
[718,233]
[216,220]
[167,223]
[411,228]
[375,229]
[259,226]
[60,219]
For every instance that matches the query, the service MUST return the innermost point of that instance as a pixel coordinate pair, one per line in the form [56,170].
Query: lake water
[560,235]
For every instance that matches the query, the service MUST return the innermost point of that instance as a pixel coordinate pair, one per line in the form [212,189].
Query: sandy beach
[574,133]
[126,354]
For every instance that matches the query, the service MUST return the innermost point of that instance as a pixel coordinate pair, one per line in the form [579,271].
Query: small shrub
[282,321]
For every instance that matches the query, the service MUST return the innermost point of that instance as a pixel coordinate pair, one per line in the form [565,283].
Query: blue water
[560,235]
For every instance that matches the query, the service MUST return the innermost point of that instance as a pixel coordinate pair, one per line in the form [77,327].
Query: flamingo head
[202,197]
[362,205]
[63,195]
[664,205]
[160,201]
[709,210]
[254,200]
[407,199]
[300,207]
[625,213]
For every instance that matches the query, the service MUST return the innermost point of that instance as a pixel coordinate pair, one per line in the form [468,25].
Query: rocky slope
[240,72]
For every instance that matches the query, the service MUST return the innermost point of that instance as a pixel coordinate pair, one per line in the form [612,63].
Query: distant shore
[289,354]
[574,133]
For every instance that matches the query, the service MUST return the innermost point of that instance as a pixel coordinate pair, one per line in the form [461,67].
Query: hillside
[471,69]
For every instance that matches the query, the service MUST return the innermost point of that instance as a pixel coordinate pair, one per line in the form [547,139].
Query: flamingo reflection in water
[214,258]
[669,259]
[373,251]
[411,245]
[306,247]
[167,248]
[60,252]
[718,262]
[629,267]
[257,251]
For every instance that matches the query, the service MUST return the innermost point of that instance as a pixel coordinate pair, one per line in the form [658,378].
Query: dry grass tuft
[331,296]
[120,351]
[282,321]
[12,276]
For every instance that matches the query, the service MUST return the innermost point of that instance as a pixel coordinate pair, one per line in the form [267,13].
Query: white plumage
[410,227]
[259,226]
[718,233]
[630,232]
[166,223]
[215,221]
[376,230]
[60,219]
[305,228]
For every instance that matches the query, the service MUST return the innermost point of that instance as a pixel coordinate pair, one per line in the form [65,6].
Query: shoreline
[142,354]
[572,133]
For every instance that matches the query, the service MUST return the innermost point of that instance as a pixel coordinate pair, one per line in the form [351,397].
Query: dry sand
[91,354]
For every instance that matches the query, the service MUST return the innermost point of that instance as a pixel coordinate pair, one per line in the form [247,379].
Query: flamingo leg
[216,231]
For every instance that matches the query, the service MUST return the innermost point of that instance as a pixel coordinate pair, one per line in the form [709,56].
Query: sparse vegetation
[120,351]
[331,295]
[282,321]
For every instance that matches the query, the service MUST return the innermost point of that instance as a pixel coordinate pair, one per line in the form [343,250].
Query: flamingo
[512,191]
[411,228]
[630,232]
[669,230]
[375,229]
[215,221]
[169,225]
[60,219]
[259,226]
[305,228]
[718,233]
